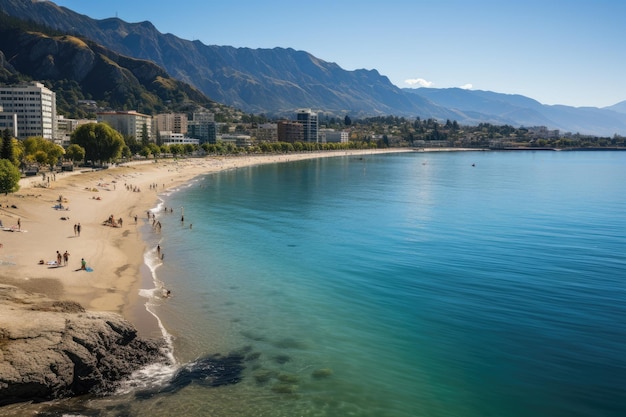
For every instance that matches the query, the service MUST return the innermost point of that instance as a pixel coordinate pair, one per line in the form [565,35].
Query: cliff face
[54,349]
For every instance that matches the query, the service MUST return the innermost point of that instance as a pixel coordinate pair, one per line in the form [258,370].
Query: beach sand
[115,254]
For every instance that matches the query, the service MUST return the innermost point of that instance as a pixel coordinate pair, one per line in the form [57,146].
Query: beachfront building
[65,127]
[128,123]
[334,136]
[241,141]
[202,127]
[309,122]
[266,132]
[172,138]
[171,122]
[290,131]
[28,110]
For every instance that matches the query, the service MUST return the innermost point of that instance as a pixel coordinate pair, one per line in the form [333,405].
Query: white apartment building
[29,110]
[128,123]
[172,138]
[334,136]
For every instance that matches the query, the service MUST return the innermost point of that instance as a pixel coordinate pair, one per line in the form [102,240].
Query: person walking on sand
[59,258]
[78,229]
[83,264]
[19,224]
[66,257]
[75,229]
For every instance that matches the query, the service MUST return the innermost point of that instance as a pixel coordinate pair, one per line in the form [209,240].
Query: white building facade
[29,110]
[172,138]
[334,136]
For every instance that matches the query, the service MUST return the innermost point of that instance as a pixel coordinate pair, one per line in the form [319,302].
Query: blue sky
[558,52]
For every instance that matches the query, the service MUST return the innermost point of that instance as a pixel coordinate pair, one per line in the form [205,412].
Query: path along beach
[48,211]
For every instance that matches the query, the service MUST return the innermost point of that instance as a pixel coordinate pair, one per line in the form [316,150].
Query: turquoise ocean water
[422,284]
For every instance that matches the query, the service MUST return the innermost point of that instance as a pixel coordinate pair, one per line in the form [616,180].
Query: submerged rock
[281,388]
[54,349]
[322,373]
[212,371]
[264,375]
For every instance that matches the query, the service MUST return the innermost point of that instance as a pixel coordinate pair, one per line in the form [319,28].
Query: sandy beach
[113,254]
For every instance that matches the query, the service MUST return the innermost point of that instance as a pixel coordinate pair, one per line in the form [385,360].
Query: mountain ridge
[277,81]
[78,69]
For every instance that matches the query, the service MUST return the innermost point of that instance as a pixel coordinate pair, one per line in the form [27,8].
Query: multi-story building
[309,122]
[172,138]
[241,141]
[29,109]
[202,126]
[171,122]
[266,132]
[290,131]
[128,123]
[334,136]
[65,128]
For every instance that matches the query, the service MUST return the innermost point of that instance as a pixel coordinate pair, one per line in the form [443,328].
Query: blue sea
[457,284]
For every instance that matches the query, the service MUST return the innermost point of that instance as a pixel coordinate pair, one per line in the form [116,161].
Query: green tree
[9,177]
[101,142]
[145,139]
[7,151]
[42,150]
[154,149]
[189,148]
[75,153]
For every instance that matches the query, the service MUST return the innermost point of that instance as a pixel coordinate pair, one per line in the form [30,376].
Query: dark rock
[54,349]
[210,371]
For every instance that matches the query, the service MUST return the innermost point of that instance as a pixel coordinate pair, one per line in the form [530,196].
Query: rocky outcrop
[53,349]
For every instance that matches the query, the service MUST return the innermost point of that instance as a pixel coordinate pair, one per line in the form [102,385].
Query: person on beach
[83,264]
[59,258]
[78,229]
[159,251]
[66,257]
[75,229]
[19,224]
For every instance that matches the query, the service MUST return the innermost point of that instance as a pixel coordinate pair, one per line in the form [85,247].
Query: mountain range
[278,81]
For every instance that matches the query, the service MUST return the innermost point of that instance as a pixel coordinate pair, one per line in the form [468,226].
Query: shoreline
[115,254]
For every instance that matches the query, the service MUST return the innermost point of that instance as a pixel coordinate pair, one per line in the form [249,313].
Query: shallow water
[398,285]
